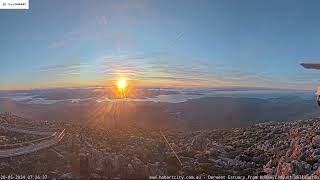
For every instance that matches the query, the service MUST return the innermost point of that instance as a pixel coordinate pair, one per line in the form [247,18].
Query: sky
[214,43]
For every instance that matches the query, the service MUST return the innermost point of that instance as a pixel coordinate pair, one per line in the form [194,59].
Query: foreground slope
[269,148]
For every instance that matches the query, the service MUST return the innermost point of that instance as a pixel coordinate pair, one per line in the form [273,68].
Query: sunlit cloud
[64,67]
[161,69]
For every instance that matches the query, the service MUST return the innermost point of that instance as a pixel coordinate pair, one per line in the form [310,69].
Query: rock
[315,166]
[317,158]
[294,133]
[188,153]
[269,167]
[117,163]
[258,160]
[53,173]
[155,169]
[317,172]
[67,176]
[316,140]
[200,142]
[187,170]
[301,167]
[139,167]
[297,151]
[136,164]
[144,171]
[130,170]
[201,157]
[94,176]
[122,161]
[175,147]
[269,171]
[316,152]
[213,152]
[269,164]
[284,167]
[243,157]
[207,167]
[4,165]
[108,168]
[96,160]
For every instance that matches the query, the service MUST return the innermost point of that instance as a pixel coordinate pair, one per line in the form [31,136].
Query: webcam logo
[14,4]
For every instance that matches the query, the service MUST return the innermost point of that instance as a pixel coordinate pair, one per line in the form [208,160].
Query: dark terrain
[290,148]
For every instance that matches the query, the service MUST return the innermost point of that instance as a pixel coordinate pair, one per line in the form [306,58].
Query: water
[183,96]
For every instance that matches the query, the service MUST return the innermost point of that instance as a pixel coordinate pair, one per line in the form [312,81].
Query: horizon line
[166,87]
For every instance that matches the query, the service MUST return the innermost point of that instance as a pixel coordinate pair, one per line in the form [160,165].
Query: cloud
[172,43]
[66,39]
[171,70]
[64,67]
[162,67]
[103,20]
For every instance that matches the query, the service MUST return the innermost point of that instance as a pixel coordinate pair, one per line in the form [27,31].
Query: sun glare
[122,84]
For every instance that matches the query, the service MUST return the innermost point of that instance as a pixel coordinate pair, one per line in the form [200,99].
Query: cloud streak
[160,67]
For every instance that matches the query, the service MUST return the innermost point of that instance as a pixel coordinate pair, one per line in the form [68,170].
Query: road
[6,146]
[18,130]
[32,148]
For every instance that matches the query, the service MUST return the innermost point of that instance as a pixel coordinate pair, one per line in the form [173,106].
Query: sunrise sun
[122,84]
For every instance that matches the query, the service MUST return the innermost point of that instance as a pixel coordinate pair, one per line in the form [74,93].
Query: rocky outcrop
[200,142]
[316,140]
[290,148]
